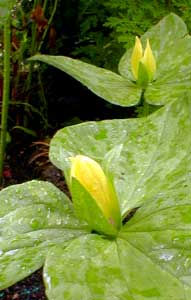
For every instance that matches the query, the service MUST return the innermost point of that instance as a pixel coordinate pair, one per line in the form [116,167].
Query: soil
[31,288]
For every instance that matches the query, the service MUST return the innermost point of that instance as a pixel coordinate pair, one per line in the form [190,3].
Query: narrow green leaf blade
[104,83]
[34,216]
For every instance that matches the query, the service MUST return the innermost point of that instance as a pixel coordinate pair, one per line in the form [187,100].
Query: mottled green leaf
[98,277]
[160,233]
[34,216]
[150,259]
[155,154]
[104,83]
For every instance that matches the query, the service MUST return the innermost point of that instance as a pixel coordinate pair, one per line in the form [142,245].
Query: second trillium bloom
[143,63]
[102,199]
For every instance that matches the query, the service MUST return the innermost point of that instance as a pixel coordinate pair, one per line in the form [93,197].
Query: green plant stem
[44,5]
[6,91]
[34,37]
[43,105]
[144,104]
[142,98]
[146,109]
[48,25]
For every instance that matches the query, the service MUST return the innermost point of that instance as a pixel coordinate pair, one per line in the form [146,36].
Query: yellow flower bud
[146,59]
[92,177]
[136,57]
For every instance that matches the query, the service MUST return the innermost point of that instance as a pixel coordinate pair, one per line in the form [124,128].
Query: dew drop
[12,252]
[166,256]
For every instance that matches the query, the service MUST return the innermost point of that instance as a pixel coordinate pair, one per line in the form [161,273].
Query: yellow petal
[136,57]
[91,176]
[149,61]
[89,173]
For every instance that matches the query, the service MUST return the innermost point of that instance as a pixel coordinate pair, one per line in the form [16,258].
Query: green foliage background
[108,27]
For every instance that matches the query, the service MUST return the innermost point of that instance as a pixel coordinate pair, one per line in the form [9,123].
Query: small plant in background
[32,30]
[24,34]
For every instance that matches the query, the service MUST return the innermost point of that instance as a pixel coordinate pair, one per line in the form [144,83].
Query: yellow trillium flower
[143,62]
[92,177]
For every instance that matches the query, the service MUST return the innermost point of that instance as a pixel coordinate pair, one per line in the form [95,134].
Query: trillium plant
[164,67]
[126,234]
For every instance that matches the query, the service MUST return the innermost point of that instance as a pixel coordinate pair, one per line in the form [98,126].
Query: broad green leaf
[155,153]
[98,277]
[110,158]
[104,83]
[160,233]
[171,45]
[34,216]
[150,259]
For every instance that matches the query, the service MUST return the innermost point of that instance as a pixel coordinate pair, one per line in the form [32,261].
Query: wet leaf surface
[154,156]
